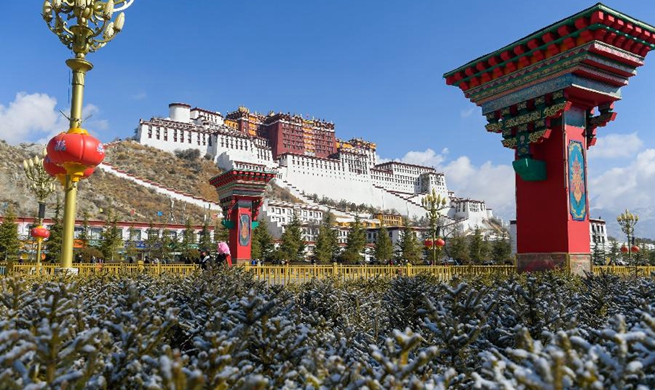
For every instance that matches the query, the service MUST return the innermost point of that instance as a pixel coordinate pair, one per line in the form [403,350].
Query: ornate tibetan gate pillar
[240,192]
[546,94]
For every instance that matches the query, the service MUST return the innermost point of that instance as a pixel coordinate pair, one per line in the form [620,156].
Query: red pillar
[241,234]
[552,216]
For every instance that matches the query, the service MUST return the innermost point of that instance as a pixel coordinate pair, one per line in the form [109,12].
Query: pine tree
[152,238]
[326,242]
[292,247]
[614,251]
[598,254]
[9,242]
[262,242]
[476,247]
[457,247]
[54,242]
[83,236]
[167,244]
[356,243]
[410,249]
[130,247]
[383,245]
[188,241]
[501,249]
[111,238]
[221,233]
[205,243]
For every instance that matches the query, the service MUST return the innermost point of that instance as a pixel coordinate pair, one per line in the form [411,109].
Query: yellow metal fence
[105,268]
[296,274]
[272,274]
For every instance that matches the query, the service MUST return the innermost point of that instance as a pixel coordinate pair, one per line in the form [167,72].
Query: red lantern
[88,172]
[428,243]
[440,243]
[76,151]
[54,170]
[624,249]
[40,233]
[51,168]
[635,249]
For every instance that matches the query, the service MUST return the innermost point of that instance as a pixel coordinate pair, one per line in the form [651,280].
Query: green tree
[478,247]
[130,247]
[598,254]
[9,242]
[83,236]
[188,242]
[111,238]
[501,249]
[205,243]
[221,233]
[262,242]
[458,248]
[167,244]
[355,244]
[326,241]
[408,244]
[383,245]
[152,238]
[640,256]
[292,247]
[614,251]
[54,242]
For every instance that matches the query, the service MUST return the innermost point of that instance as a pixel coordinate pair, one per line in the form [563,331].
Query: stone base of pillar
[575,263]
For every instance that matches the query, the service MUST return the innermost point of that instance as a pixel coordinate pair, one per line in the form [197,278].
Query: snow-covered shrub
[219,329]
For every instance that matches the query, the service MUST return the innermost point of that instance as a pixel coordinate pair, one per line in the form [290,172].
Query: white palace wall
[353,175]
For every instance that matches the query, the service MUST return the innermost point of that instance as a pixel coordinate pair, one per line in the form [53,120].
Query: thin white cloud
[428,158]
[140,96]
[631,186]
[29,117]
[492,183]
[467,112]
[489,182]
[36,118]
[616,146]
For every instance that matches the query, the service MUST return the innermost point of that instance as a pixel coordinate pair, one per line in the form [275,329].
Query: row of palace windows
[201,140]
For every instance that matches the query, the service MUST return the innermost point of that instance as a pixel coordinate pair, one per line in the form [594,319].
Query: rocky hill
[103,191]
[184,171]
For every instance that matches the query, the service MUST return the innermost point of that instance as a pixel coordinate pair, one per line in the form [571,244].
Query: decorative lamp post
[434,204]
[41,183]
[83,26]
[40,233]
[627,221]
[436,246]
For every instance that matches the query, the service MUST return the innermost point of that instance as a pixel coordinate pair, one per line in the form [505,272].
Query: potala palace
[308,157]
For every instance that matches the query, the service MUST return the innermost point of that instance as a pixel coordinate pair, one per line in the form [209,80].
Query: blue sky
[372,67]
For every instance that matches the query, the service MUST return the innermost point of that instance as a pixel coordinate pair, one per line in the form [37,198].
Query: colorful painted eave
[241,175]
[597,23]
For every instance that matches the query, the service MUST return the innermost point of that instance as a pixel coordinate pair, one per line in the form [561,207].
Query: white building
[352,173]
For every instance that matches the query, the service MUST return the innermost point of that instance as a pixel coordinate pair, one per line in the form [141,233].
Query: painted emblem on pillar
[577,185]
[244,229]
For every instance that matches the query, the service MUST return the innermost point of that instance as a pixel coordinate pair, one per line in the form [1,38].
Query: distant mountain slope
[190,175]
[103,191]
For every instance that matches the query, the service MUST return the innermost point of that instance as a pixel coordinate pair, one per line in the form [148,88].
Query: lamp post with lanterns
[83,26]
[434,203]
[42,184]
[627,221]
